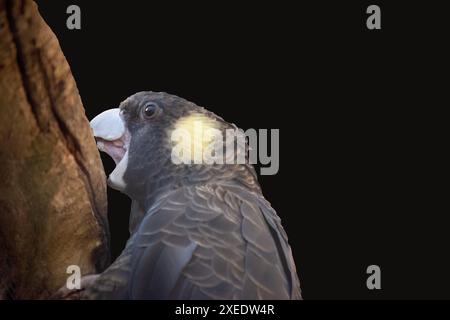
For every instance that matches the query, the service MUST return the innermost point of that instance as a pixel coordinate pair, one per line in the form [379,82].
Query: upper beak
[108,125]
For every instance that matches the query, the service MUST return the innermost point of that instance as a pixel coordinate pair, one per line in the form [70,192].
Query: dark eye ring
[150,110]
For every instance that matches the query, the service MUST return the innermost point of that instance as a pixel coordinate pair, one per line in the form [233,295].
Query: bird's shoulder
[225,231]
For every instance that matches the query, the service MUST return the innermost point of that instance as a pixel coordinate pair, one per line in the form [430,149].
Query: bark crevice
[19,56]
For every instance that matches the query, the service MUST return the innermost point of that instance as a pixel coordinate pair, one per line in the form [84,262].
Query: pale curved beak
[113,138]
[108,125]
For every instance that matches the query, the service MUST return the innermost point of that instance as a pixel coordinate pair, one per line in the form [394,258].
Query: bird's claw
[65,293]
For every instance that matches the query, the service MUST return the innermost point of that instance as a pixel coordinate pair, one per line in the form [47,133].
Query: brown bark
[52,183]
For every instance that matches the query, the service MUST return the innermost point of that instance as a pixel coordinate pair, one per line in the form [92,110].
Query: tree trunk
[52,183]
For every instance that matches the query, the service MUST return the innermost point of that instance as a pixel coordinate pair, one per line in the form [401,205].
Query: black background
[351,105]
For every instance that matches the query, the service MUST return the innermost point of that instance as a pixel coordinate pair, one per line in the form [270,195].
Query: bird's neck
[167,181]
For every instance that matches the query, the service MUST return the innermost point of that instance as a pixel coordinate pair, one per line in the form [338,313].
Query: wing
[211,242]
[279,236]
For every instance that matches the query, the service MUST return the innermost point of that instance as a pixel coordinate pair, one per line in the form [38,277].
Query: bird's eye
[150,110]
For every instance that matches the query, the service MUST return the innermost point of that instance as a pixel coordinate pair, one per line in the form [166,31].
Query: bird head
[139,136]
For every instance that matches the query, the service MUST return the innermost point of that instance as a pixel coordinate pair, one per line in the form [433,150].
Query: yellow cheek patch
[191,137]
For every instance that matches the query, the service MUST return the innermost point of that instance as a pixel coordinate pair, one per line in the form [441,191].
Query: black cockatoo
[197,231]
